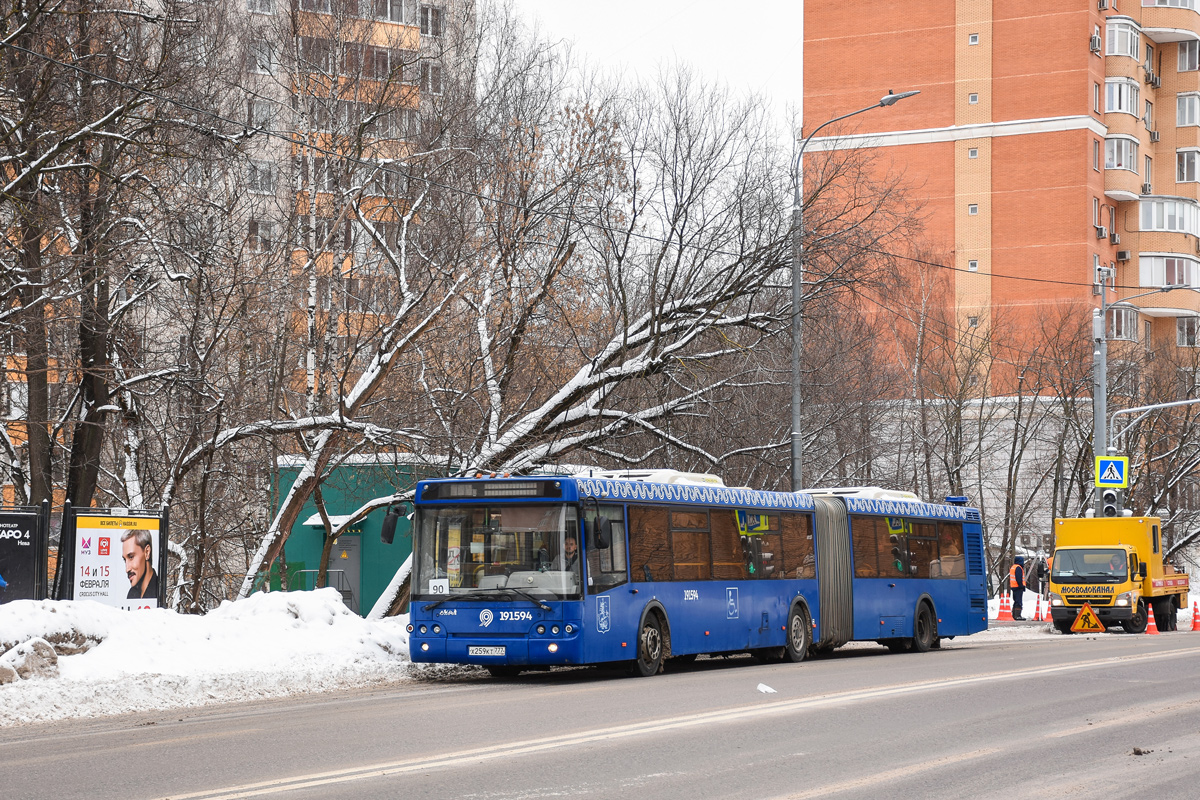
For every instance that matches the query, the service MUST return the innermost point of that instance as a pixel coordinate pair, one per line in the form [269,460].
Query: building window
[1168,271]
[1096,97]
[973,38]
[973,152]
[973,209]
[1185,331]
[1187,109]
[261,236]
[258,112]
[972,322]
[261,177]
[1121,153]
[1186,163]
[1122,95]
[1123,323]
[317,6]
[260,6]
[1149,173]
[1148,117]
[1095,210]
[1189,56]
[431,78]
[1096,154]
[1123,40]
[1147,329]
[973,98]
[388,10]
[973,265]
[260,57]
[1179,216]
[431,21]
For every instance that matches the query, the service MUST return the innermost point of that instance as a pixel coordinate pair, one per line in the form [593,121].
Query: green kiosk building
[360,565]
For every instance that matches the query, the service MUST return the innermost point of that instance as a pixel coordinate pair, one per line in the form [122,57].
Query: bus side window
[923,549]
[951,561]
[727,562]
[798,561]
[690,546]
[649,543]
[864,537]
[607,567]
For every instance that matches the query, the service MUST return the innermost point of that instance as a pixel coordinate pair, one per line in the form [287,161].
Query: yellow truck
[1116,565]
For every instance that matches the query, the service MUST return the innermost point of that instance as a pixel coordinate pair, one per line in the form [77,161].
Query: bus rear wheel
[649,659]
[799,636]
[924,630]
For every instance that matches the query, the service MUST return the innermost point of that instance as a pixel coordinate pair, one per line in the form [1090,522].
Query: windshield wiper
[482,594]
[477,594]
[527,596]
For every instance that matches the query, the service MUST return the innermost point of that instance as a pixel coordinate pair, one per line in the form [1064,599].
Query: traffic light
[899,555]
[1110,503]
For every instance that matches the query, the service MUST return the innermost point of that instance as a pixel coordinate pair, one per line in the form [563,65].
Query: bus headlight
[569,629]
[424,629]
[1125,599]
[553,648]
[425,646]
[541,628]
[437,628]
[1056,600]
[554,630]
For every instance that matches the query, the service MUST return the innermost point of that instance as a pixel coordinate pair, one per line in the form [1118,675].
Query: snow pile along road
[268,645]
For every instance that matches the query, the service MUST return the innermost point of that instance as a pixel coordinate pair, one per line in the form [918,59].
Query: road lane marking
[529,746]
[1140,716]
[892,774]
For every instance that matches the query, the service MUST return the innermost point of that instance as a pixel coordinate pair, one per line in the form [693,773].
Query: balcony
[1175,23]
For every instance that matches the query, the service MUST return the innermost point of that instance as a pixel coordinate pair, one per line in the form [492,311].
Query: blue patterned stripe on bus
[685,493]
[863,505]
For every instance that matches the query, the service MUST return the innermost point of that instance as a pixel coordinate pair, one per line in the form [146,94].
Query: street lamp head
[890,99]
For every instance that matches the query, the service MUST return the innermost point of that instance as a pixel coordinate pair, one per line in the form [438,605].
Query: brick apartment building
[1049,139]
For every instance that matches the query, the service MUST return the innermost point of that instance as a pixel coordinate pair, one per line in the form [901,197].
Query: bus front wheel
[799,636]
[649,648]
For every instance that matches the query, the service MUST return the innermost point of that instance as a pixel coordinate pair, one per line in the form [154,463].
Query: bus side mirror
[388,532]
[602,537]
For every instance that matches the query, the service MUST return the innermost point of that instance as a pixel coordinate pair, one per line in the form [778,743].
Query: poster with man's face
[115,560]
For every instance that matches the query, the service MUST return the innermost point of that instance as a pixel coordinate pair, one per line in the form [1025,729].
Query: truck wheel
[1164,614]
[923,630]
[1138,623]
[799,636]
[649,659]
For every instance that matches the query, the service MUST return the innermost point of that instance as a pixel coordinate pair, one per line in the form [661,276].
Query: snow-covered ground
[269,645]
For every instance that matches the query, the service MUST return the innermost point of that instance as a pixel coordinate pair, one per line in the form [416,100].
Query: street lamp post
[798,280]
[1100,373]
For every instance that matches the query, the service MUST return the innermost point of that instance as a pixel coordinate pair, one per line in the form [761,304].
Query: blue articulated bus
[516,573]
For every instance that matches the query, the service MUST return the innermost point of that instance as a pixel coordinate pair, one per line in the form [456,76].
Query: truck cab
[1115,564]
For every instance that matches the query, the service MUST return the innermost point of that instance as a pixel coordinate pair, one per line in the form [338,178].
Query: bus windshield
[1089,566]
[498,552]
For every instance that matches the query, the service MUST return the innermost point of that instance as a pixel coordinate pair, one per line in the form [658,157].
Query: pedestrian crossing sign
[1112,472]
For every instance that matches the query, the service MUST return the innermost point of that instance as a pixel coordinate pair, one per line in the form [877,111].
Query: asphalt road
[1110,715]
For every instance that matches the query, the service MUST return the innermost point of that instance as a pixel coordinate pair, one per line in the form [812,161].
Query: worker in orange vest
[1016,584]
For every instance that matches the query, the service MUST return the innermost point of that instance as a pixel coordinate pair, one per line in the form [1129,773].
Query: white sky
[753,48]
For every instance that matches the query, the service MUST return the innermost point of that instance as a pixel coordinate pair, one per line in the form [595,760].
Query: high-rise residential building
[1049,140]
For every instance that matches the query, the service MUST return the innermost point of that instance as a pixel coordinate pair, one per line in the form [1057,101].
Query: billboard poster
[20,578]
[115,560]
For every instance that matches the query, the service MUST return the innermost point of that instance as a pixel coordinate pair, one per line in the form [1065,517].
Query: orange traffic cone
[1037,616]
[1151,626]
[1195,617]
[1005,609]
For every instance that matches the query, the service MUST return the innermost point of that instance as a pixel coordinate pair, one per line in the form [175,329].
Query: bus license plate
[485,651]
